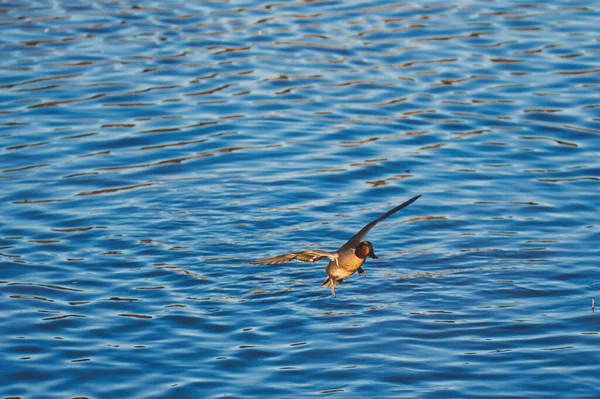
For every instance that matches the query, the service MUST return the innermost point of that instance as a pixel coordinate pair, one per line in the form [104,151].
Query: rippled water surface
[148,150]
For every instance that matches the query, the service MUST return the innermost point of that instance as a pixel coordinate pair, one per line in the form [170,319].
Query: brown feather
[305,256]
[357,238]
[274,260]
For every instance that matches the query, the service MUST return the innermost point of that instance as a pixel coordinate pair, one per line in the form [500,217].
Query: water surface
[149,150]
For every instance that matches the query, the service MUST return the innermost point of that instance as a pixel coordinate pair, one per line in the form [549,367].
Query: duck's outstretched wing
[311,255]
[357,238]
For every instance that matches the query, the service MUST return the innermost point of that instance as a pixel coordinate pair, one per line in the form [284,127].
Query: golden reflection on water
[239,124]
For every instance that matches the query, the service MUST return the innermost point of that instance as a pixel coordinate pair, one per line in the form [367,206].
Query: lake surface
[150,149]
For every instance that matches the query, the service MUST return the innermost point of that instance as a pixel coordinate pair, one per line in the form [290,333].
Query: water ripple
[150,150]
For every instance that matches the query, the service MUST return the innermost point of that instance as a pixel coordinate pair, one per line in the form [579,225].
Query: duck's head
[365,249]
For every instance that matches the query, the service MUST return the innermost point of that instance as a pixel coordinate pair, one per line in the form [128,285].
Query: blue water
[150,149]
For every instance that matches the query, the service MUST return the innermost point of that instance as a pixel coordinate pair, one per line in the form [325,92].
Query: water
[150,149]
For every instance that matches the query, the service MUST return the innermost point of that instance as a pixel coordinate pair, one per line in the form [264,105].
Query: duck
[344,262]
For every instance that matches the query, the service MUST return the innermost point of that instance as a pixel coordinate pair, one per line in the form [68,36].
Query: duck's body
[345,261]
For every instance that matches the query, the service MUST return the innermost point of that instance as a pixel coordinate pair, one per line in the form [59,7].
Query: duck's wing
[357,238]
[311,255]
